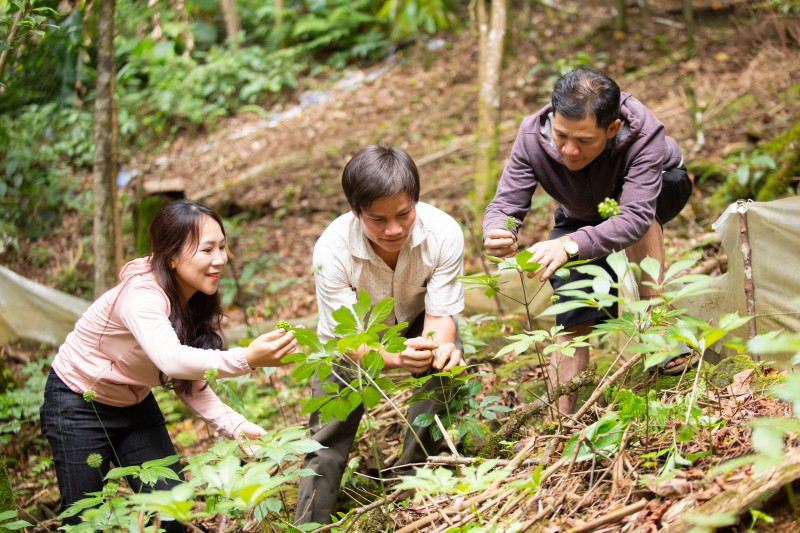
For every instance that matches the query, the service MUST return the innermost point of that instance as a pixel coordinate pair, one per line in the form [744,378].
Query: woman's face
[199,268]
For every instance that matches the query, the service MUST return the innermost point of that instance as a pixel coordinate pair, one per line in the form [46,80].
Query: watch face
[571,247]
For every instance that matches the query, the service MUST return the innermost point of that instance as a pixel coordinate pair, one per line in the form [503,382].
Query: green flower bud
[211,374]
[89,396]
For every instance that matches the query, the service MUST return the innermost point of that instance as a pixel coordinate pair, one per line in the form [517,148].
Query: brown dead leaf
[740,388]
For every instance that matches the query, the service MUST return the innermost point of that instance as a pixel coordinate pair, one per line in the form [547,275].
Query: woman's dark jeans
[138,434]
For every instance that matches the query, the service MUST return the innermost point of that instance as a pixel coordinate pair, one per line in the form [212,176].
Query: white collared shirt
[423,280]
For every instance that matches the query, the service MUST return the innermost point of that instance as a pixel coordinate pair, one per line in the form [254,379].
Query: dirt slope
[284,176]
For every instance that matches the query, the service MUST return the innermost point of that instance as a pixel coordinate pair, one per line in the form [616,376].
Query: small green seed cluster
[608,208]
[95,460]
[510,223]
[89,396]
[211,374]
[284,325]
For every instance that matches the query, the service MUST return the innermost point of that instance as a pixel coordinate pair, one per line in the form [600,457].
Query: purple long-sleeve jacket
[635,157]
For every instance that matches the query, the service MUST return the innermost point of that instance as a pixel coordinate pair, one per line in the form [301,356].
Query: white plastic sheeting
[773,229]
[30,311]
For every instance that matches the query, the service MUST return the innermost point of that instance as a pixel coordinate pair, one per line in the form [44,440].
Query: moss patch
[722,375]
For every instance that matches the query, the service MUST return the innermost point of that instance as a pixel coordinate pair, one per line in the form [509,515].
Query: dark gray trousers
[317,495]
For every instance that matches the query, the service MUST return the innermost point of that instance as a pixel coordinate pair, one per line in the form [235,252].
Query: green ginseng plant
[491,285]
[357,379]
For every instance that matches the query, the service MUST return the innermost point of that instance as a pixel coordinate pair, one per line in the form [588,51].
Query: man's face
[580,141]
[388,222]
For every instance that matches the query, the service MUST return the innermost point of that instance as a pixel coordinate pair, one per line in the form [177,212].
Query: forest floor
[279,185]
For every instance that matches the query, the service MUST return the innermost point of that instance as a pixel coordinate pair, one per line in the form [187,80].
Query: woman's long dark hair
[197,321]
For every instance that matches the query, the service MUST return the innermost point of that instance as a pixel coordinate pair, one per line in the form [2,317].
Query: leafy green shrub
[35,147]
[20,405]
[409,18]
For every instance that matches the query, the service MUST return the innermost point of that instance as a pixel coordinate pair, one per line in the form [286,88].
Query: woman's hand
[249,431]
[270,348]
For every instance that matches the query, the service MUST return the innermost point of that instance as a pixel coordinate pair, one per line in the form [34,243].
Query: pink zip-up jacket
[125,338]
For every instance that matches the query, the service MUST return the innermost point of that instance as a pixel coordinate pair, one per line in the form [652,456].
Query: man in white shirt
[389,245]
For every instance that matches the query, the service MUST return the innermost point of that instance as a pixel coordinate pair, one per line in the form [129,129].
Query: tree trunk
[688,15]
[12,34]
[107,251]
[278,12]
[622,18]
[491,58]
[233,24]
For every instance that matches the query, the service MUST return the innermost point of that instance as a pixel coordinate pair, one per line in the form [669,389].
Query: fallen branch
[520,418]
[600,390]
[611,518]
[460,506]
[440,460]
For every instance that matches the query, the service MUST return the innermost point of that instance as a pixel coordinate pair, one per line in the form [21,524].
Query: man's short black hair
[584,92]
[377,171]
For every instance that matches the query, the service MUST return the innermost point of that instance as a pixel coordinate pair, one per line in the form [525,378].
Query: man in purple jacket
[591,143]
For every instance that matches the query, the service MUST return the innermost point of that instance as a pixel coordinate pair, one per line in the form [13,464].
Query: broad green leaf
[303,371]
[678,267]
[116,473]
[164,461]
[563,308]
[346,322]
[618,263]
[373,363]
[601,285]
[308,337]
[330,387]
[362,306]
[423,420]
[594,271]
[314,404]
[743,174]
[393,342]
[380,312]
[372,396]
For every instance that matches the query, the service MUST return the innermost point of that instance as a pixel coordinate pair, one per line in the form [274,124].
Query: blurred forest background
[109,108]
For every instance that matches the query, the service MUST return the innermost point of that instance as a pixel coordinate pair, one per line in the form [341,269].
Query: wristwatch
[570,246]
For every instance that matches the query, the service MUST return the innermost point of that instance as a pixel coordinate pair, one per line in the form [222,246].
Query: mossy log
[784,149]
[7,502]
[520,418]
[739,499]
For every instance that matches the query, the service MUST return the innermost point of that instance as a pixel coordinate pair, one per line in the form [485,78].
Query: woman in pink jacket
[159,327]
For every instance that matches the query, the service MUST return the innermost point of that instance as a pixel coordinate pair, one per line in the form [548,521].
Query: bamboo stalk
[749,292]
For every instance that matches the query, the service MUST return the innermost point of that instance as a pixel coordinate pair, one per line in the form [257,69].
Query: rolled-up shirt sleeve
[445,293]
